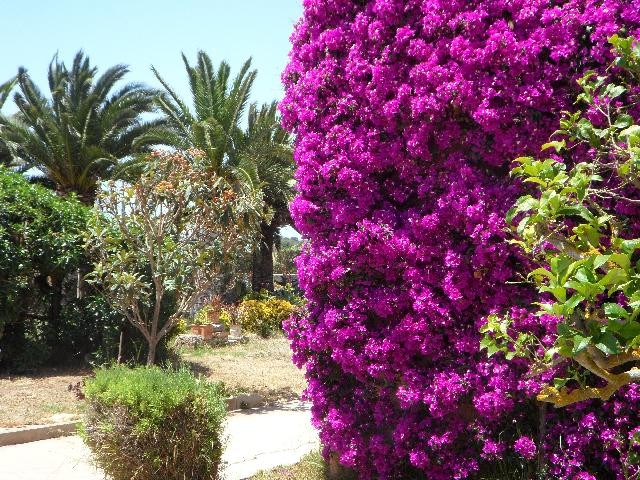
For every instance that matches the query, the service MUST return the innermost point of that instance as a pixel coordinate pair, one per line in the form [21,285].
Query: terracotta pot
[206,331]
[196,329]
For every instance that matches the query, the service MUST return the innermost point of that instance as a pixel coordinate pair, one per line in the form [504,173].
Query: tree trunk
[55,307]
[151,355]
[121,347]
[262,268]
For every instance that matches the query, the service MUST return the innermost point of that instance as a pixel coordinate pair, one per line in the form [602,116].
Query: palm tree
[213,125]
[5,90]
[267,146]
[258,156]
[79,135]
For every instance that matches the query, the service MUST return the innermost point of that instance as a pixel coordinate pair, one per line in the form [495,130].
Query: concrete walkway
[257,439]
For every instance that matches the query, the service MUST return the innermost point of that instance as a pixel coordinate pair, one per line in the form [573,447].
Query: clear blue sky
[141,33]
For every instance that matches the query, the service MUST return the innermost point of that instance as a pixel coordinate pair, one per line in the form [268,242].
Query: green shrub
[42,320]
[148,423]
[264,317]
[201,316]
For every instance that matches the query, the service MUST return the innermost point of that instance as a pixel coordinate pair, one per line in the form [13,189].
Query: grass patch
[260,366]
[34,399]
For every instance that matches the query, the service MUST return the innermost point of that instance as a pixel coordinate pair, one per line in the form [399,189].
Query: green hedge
[42,322]
[150,424]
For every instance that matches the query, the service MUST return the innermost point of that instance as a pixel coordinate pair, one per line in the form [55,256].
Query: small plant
[230,315]
[149,423]
[203,316]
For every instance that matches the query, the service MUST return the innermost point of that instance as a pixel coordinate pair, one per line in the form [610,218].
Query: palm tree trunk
[262,268]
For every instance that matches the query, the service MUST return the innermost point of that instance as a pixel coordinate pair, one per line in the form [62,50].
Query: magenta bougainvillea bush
[408,114]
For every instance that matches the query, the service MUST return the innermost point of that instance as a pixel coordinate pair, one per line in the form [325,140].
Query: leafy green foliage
[41,250]
[258,157]
[263,314]
[588,272]
[157,423]
[213,123]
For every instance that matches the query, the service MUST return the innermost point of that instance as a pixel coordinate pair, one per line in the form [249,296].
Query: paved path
[258,439]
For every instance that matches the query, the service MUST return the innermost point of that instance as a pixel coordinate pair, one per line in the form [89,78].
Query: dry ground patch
[311,467]
[260,366]
[39,399]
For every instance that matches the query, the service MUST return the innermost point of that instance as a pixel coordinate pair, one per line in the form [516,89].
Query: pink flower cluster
[407,115]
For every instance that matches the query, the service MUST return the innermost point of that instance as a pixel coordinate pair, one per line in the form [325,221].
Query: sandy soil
[39,399]
[260,366]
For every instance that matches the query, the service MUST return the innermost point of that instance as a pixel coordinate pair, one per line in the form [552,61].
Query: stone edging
[34,433]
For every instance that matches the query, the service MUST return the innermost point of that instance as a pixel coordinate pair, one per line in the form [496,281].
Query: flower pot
[196,329]
[206,331]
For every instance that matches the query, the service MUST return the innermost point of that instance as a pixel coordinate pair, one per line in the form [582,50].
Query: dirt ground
[39,399]
[259,366]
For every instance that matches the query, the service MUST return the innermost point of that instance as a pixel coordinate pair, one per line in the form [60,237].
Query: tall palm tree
[258,156]
[267,146]
[79,135]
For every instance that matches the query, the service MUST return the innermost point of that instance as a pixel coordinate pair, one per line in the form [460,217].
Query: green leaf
[613,310]
[492,350]
[580,343]
[630,246]
[630,330]
[564,330]
[621,259]
[560,382]
[623,121]
[600,260]
[614,91]
[523,204]
[608,344]
[541,272]
[559,292]
[557,145]
[631,133]
[572,303]
[615,276]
